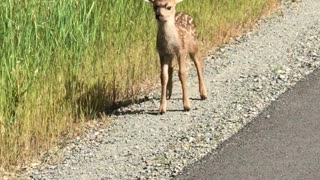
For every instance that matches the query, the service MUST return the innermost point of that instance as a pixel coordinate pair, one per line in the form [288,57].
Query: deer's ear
[177,1]
[149,1]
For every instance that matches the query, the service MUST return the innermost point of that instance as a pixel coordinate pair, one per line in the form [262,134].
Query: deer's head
[164,10]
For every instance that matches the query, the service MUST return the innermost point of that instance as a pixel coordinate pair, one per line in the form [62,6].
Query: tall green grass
[69,60]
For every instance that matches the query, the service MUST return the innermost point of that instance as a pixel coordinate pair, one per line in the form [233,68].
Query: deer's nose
[158,16]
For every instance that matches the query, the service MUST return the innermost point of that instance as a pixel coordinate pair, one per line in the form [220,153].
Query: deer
[176,38]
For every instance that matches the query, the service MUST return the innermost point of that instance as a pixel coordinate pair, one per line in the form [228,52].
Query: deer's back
[186,29]
[185,24]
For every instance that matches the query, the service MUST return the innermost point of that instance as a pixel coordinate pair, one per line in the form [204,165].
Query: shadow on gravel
[176,110]
[156,112]
[129,112]
[196,99]
[180,99]
[125,104]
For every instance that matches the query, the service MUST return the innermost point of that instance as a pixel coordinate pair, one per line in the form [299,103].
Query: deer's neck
[168,37]
[167,30]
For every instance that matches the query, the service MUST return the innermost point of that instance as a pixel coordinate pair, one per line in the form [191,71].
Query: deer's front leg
[164,82]
[183,78]
[169,89]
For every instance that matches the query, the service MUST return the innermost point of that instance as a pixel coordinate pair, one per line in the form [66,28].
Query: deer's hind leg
[197,59]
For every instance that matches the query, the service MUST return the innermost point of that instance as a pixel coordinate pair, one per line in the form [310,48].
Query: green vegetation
[69,60]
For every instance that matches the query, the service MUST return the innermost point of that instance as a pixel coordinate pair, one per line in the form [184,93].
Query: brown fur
[176,38]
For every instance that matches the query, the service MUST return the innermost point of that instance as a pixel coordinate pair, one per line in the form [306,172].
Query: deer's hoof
[203,96]
[162,110]
[186,105]
[169,94]
[187,108]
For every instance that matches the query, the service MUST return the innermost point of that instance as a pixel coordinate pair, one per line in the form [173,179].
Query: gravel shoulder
[242,79]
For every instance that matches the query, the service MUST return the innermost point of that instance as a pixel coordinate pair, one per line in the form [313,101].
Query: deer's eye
[168,8]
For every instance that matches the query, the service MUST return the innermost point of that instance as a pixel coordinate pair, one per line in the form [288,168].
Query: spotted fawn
[176,38]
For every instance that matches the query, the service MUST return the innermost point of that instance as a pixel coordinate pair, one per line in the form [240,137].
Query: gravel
[242,79]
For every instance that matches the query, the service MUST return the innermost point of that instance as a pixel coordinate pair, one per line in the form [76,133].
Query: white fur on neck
[168,37]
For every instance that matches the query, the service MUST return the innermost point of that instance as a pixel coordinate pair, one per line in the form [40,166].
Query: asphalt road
[282,143]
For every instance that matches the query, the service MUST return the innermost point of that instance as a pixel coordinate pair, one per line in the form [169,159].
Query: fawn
[176,38]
